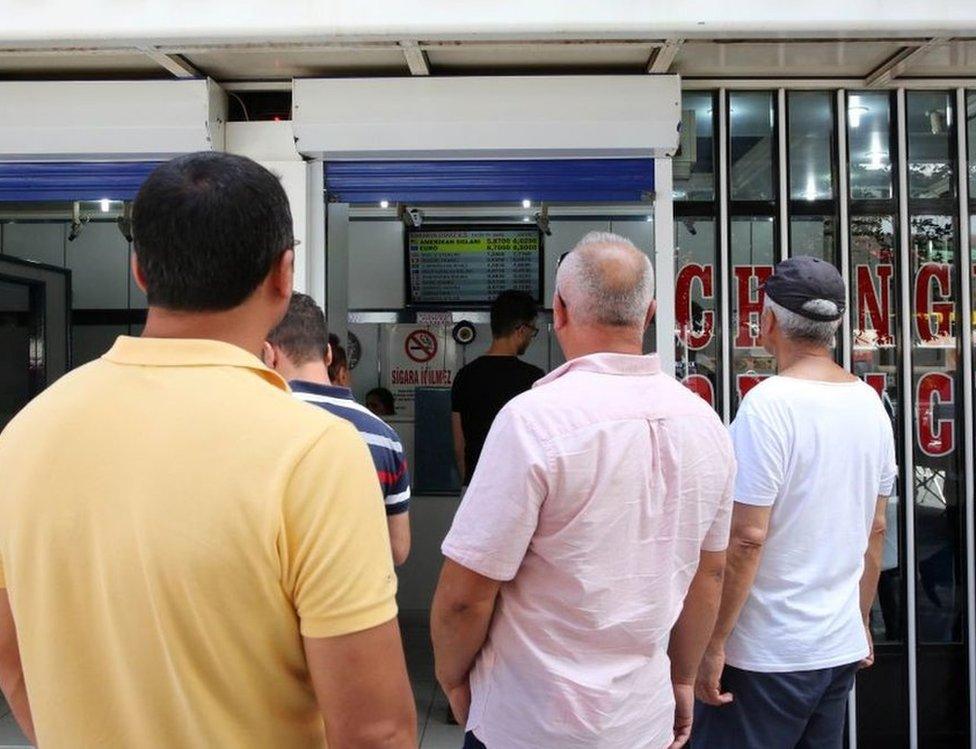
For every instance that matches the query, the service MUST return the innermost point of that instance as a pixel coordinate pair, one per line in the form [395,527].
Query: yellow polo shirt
[171,522]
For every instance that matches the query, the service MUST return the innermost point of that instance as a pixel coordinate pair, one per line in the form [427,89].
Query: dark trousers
[471,742]
[796,710]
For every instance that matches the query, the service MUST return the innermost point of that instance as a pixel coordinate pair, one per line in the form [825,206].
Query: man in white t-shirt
[816,462]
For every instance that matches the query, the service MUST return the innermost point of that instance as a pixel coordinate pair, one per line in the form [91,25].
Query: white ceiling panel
[838,59]
[78,64]
[284,64]
[537,56]
[953,59]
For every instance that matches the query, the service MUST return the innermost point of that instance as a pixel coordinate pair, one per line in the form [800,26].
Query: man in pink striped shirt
[584,565]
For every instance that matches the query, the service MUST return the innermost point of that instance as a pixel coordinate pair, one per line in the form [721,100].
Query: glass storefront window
[814,235]
[698,353]
[752,153]
[869,146]
[938,450]
[875,359]
[931,150]
[811,145]
[752,243]
[694,164]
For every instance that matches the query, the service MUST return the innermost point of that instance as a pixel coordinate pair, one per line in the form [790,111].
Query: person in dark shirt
[483,387]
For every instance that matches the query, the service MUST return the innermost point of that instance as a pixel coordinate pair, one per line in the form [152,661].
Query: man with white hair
[816,459]
[591,543]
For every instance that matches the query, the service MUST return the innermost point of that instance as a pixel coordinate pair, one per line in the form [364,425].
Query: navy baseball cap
[802,279]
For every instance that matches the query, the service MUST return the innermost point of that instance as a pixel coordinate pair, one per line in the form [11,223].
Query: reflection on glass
[931,148]
[697,352]
[17,325]
[752,245]
[811,145]
[751,128]
[814,235]
[874,356]
[938,478]
[869,142]
[694,164]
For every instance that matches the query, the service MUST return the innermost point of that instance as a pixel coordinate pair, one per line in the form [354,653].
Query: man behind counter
[483,387]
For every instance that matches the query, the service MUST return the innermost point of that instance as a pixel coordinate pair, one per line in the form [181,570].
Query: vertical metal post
[337,269]
[845,269]
[725,264]
[907,416]
[664,261]
[784,187]
[844,228]
[966,306]
[314,239]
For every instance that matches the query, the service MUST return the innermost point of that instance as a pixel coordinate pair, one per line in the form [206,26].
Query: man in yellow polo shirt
[191,557]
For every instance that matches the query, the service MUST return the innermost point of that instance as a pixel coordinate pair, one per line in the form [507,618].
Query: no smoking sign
[421,346]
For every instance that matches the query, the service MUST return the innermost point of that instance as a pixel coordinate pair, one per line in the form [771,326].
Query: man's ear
[767,325]
[283,274]
[560,315]
[328,355]
[651,311]
[137,273]
[269,355]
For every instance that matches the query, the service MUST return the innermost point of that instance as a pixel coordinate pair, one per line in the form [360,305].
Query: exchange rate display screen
[471,265]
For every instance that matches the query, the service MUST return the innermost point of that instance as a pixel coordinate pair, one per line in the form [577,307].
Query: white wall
[272,145]
[570,116]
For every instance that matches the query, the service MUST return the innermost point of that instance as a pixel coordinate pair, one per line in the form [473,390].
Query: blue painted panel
[70,181]
[548,180]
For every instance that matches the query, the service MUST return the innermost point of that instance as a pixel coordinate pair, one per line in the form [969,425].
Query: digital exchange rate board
[472,265]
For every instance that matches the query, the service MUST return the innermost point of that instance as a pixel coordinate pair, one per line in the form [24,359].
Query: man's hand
[460,699]
[684,713]
[869,661]
[708,685]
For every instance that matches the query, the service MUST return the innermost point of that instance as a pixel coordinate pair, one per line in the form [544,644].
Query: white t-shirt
[820,454]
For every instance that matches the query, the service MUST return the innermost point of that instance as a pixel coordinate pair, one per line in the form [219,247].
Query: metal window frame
[908,421]
[724,253]
[844,234]
[966,309]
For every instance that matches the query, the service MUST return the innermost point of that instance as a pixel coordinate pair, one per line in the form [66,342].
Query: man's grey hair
[804,330]
[598,292]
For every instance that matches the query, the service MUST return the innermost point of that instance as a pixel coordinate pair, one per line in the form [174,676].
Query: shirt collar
[628,365]
[188,352]
[316,388]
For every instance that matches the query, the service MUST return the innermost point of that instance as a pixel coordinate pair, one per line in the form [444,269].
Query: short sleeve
[333,544]
[889,462]
[717,537]
[397,491]
[760,451]
[500,510]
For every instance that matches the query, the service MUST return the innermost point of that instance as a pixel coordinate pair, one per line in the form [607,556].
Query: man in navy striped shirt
[298,349]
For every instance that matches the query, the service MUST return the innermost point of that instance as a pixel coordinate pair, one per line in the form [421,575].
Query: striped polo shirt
[384,444]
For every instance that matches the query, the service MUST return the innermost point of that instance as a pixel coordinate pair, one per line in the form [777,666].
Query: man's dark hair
[510,310]
[207,229]
[302,334]
[385,397]
[339,360]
